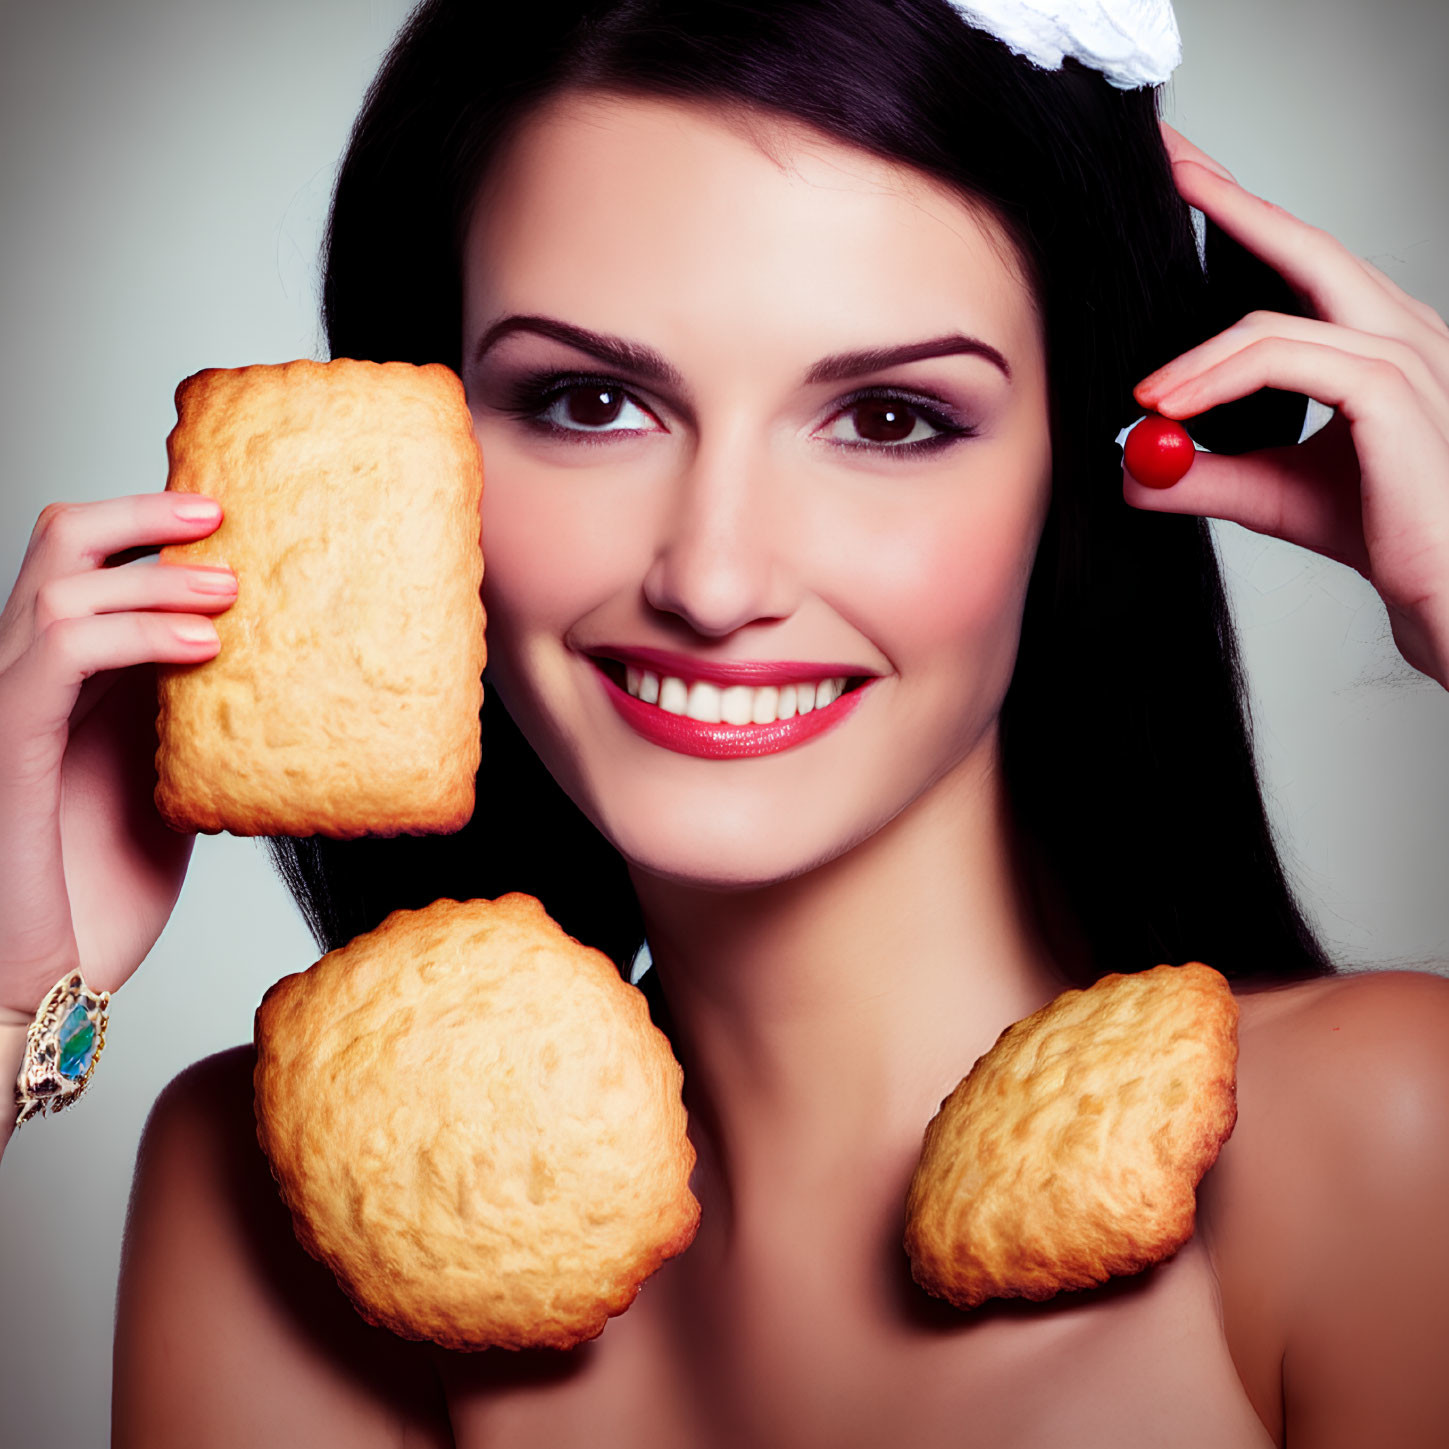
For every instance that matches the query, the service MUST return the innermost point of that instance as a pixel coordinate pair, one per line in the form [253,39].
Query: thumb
[1306,494]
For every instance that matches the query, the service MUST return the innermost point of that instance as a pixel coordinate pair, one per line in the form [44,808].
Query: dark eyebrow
[631,357]
[872,359]
[646,363]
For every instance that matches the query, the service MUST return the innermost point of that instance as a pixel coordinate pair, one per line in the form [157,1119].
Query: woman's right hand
[88,870]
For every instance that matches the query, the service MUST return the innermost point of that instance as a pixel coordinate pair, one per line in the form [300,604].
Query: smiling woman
[788,227]
[745,520]
[785,385]
[831,650]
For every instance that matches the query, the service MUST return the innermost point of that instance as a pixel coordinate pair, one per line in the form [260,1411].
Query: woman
[839,928]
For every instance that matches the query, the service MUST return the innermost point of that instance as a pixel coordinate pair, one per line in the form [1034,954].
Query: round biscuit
[476,1126]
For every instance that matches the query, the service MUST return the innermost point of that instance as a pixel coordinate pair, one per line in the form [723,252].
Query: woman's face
[711,489]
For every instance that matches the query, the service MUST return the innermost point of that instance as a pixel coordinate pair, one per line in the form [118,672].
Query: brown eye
[880,421]
[892,424]
[593,407]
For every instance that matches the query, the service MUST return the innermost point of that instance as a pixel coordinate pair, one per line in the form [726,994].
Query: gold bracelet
[62,1046]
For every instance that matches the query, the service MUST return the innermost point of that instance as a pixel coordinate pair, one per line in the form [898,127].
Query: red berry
[1159,452]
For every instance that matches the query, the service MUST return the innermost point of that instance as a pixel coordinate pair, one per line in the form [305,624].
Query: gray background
[164,173]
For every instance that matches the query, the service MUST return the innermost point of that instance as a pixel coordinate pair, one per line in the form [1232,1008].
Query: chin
[742,858]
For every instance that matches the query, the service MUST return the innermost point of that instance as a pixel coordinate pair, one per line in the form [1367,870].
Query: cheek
[946,593]
[545,562]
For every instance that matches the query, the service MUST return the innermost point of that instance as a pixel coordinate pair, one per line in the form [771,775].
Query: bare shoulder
[226,1331]
[1324,1218]
[1383,997]
[1359,1061]
[1344,1072]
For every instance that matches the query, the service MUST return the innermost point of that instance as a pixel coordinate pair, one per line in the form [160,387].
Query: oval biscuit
[1072,1151]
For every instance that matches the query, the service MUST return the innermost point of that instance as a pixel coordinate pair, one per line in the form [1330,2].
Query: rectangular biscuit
[345,698]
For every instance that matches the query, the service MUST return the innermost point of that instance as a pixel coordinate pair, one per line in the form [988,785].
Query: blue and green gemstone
[77,1042]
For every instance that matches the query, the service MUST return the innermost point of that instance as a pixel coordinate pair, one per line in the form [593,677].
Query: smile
[743,709]
[736,704]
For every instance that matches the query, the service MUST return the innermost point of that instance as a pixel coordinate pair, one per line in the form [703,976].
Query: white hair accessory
[1132,42]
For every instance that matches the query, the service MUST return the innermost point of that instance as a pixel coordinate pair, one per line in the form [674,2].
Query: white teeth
[703,702]
[739,704]
[673,696]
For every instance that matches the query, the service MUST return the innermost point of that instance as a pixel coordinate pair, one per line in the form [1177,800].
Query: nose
[722,558]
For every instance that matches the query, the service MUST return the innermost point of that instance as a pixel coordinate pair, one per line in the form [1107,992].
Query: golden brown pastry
[1072,1151]
[476,1126]
[345,698]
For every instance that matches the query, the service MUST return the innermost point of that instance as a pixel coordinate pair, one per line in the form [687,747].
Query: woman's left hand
[1371,489]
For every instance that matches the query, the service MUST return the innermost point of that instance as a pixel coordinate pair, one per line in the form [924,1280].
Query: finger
[1421,310]
[1163,387]
[38,691]
[69,537]
[1316,265]
[1307,494]
[169,587]
[1179,148]
[187,589]
[1362,388]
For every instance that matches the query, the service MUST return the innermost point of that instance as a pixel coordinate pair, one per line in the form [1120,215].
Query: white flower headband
[1132,42]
